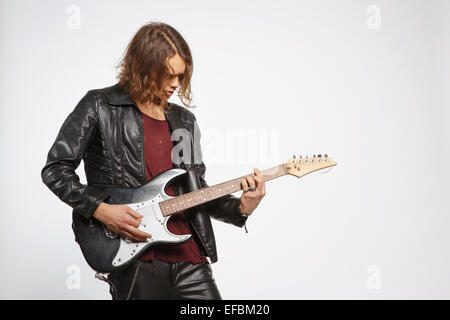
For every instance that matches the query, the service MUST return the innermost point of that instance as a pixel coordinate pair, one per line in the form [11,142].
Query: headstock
[303,165]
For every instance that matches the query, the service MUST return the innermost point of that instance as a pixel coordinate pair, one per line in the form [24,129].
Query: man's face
[177,67]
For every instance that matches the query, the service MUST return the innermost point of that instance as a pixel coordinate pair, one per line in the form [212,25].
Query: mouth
[170,92]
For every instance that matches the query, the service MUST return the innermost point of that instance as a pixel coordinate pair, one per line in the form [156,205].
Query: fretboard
[195,198]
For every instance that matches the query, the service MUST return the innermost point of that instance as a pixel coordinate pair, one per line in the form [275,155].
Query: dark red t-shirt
[158,158]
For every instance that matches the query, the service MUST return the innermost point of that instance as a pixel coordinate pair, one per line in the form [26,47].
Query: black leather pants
[164,280]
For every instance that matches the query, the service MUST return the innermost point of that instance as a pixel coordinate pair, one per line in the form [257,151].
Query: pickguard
[153,223]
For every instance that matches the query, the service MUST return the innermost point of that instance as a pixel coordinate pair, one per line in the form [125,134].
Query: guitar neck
[195,198]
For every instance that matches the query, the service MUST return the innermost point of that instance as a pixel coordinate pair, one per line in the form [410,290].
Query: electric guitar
[106,251]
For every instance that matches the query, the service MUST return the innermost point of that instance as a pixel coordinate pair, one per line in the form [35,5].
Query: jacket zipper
[121,145]
[141,128]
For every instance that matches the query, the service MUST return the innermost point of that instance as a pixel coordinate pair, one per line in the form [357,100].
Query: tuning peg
[326,156]
[293,156]
[319,156]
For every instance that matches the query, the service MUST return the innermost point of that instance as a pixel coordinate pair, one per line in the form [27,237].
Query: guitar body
[108,252]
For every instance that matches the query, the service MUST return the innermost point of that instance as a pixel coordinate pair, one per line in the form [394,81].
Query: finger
[133,213]
[130,236]
[260,181]
[259,185]
[251,182]
[132,221]
[137,233]
[258,175]
[244,184]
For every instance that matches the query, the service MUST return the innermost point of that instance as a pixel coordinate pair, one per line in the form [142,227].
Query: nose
[175,83]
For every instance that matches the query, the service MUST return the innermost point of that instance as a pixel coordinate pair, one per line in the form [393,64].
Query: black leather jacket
[105,130]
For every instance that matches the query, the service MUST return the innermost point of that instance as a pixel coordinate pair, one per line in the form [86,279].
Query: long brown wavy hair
[143,68]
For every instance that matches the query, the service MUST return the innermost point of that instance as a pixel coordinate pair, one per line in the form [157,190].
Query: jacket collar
[117,95]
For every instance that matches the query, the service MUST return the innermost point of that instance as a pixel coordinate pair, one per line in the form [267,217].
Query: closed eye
[181,76]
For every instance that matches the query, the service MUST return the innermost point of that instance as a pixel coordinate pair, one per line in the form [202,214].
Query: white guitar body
[152,223]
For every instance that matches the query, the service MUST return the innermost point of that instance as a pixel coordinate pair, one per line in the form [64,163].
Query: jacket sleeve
[225,208]
[65,156]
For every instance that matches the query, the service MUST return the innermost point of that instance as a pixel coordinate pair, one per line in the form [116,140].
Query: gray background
[288,77]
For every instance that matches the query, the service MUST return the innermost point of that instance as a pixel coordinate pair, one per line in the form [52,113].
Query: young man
[124,135]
